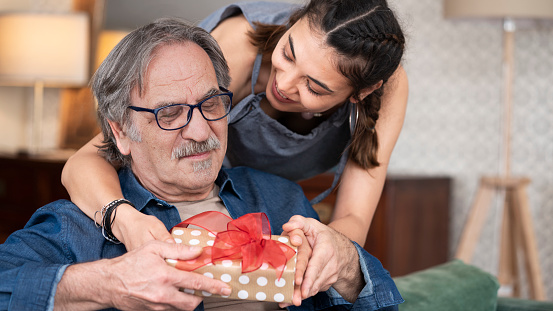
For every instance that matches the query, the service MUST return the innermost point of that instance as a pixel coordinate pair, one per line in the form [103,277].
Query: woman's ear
[121,138]
[367,91]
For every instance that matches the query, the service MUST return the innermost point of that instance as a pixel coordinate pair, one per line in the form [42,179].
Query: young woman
[314,87]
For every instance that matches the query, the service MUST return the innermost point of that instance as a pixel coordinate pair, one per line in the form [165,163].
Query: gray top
[256,140]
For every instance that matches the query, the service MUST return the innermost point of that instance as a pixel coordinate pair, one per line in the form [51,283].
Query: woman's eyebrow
[291,42]
[324,86]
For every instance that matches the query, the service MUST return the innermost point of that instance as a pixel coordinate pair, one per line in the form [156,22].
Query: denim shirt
[33,259]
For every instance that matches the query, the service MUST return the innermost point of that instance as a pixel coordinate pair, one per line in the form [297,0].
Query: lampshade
[532,9]
[50,48]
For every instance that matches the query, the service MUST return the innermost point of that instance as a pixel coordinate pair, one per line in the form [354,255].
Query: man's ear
[121,138]
[367,91]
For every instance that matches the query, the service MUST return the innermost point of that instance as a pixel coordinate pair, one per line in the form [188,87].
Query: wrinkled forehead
[183,67]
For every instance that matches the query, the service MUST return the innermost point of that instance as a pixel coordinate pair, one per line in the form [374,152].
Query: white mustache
[195,147]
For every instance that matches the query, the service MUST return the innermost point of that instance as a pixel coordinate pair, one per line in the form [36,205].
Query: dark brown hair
[369,44]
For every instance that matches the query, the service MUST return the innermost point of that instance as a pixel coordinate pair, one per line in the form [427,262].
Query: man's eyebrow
[207,94]
[163,104]
[210,92]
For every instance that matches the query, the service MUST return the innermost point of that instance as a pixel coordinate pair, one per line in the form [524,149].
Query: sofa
[456,286]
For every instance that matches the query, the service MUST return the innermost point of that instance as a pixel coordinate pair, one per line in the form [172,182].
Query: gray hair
[125,67]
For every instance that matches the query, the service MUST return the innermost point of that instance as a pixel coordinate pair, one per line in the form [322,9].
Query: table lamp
[43,50]
[517,229]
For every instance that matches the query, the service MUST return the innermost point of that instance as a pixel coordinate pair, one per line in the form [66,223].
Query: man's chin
[202,166]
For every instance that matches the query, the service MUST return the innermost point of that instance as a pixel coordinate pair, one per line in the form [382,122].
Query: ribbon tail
[277,255]
[190,265]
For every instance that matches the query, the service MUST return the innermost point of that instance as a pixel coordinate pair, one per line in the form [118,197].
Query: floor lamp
[517,232]
[43,50]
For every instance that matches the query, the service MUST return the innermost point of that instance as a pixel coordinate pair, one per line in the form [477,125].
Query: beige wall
[453,122]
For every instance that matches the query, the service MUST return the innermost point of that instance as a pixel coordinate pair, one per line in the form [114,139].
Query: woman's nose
[287,83]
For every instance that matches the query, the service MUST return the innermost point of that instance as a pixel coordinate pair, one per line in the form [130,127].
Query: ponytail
[363,149]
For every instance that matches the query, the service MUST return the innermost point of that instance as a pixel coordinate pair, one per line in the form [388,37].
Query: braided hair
[369,45]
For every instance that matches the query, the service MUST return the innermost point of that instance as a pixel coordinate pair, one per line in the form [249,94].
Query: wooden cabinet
[410,229]
[27,183]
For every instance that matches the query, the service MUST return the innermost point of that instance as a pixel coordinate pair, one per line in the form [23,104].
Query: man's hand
[333,262]
[138,280]
[138,228]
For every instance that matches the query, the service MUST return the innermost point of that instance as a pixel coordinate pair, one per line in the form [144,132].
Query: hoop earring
[353,122]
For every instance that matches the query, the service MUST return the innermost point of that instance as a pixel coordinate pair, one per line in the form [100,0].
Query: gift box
[257,265]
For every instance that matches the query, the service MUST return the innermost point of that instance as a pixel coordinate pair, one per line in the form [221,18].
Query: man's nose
[198,128]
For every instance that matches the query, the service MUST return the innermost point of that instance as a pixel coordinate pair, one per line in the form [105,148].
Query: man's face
[177,74]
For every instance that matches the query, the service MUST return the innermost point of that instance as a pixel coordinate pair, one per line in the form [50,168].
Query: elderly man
[162,106]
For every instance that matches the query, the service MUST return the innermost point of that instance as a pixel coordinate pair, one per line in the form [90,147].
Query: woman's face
[303,75]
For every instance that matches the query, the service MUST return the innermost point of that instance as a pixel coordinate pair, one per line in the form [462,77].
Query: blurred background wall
[453,123]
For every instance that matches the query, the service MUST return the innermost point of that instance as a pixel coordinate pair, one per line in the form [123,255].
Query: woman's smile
[279,95]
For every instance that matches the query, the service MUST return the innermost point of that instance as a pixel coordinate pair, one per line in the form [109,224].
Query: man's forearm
[84,286]
[138,280]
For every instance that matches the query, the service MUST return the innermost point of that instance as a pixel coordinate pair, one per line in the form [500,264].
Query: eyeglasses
[177,116]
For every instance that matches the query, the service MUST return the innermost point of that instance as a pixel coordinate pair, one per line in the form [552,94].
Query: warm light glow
[51,48]
[107,40]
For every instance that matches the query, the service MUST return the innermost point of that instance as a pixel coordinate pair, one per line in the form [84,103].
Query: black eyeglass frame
[190,112]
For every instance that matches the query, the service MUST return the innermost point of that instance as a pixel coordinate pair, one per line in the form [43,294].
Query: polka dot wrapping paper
[262,284]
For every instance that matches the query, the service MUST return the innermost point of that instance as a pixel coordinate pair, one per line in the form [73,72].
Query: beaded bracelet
[107,220]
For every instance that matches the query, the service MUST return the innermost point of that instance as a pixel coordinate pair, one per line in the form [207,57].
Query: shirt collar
[226,184]
[140,197]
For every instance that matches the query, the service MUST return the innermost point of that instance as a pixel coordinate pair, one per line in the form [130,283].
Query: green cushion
[516,304]
[451,286]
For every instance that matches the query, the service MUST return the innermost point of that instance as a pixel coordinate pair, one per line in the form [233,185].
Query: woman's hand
[333,262]
[298,239]
[138,228]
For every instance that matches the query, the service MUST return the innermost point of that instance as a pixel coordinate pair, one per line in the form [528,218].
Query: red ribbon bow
[247,238]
